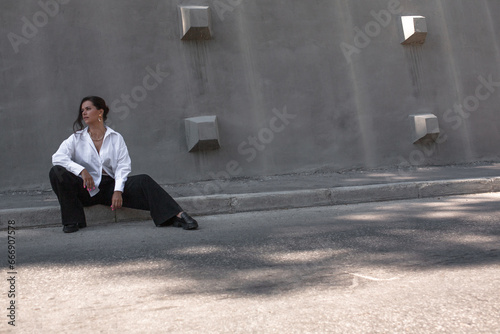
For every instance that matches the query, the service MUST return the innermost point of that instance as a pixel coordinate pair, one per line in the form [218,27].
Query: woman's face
[90,114]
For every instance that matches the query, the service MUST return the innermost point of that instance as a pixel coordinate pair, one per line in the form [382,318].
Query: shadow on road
[265,253]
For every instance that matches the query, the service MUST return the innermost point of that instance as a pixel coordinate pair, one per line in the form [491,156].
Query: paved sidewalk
[40,208]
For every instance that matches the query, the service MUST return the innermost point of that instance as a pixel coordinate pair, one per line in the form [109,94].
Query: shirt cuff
[76,169]
[119,185]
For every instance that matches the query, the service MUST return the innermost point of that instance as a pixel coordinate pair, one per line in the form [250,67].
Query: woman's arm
[122,169]
[65,155]
[123,164]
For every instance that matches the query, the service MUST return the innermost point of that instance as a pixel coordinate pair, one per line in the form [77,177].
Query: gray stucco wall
[287,95]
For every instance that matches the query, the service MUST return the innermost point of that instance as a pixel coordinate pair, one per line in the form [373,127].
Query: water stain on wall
[413,55]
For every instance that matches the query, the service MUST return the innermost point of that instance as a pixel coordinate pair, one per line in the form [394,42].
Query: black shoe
[177,222]
[188,223]
[174,221]
[82,225]
[70,228]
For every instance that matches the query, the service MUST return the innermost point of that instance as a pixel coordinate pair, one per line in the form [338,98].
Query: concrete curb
[233,203]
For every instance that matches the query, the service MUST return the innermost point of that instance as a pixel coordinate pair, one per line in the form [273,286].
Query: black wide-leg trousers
[140,192]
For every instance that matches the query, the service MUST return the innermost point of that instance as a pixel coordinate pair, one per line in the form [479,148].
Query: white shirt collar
[85,131]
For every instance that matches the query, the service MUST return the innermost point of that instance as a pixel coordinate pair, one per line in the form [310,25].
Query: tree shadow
[269,253]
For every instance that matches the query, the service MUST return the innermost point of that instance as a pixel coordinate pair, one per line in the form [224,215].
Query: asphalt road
[419,266]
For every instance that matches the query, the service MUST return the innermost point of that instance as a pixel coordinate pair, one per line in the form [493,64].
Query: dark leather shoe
[174,221]
[177,222]
[188,223]
[70,228]
[82,225]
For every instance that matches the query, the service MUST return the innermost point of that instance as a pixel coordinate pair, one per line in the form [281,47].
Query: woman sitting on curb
[92,167]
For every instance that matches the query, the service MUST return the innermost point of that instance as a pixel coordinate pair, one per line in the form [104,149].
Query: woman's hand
[88,181]
[116,200]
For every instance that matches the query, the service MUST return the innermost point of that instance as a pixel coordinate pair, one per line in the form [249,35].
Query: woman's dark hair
[99,103]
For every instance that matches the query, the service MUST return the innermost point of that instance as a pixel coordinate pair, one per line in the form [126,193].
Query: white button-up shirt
[78,152]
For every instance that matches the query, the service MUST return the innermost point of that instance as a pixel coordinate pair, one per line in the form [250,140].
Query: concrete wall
[287,95]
